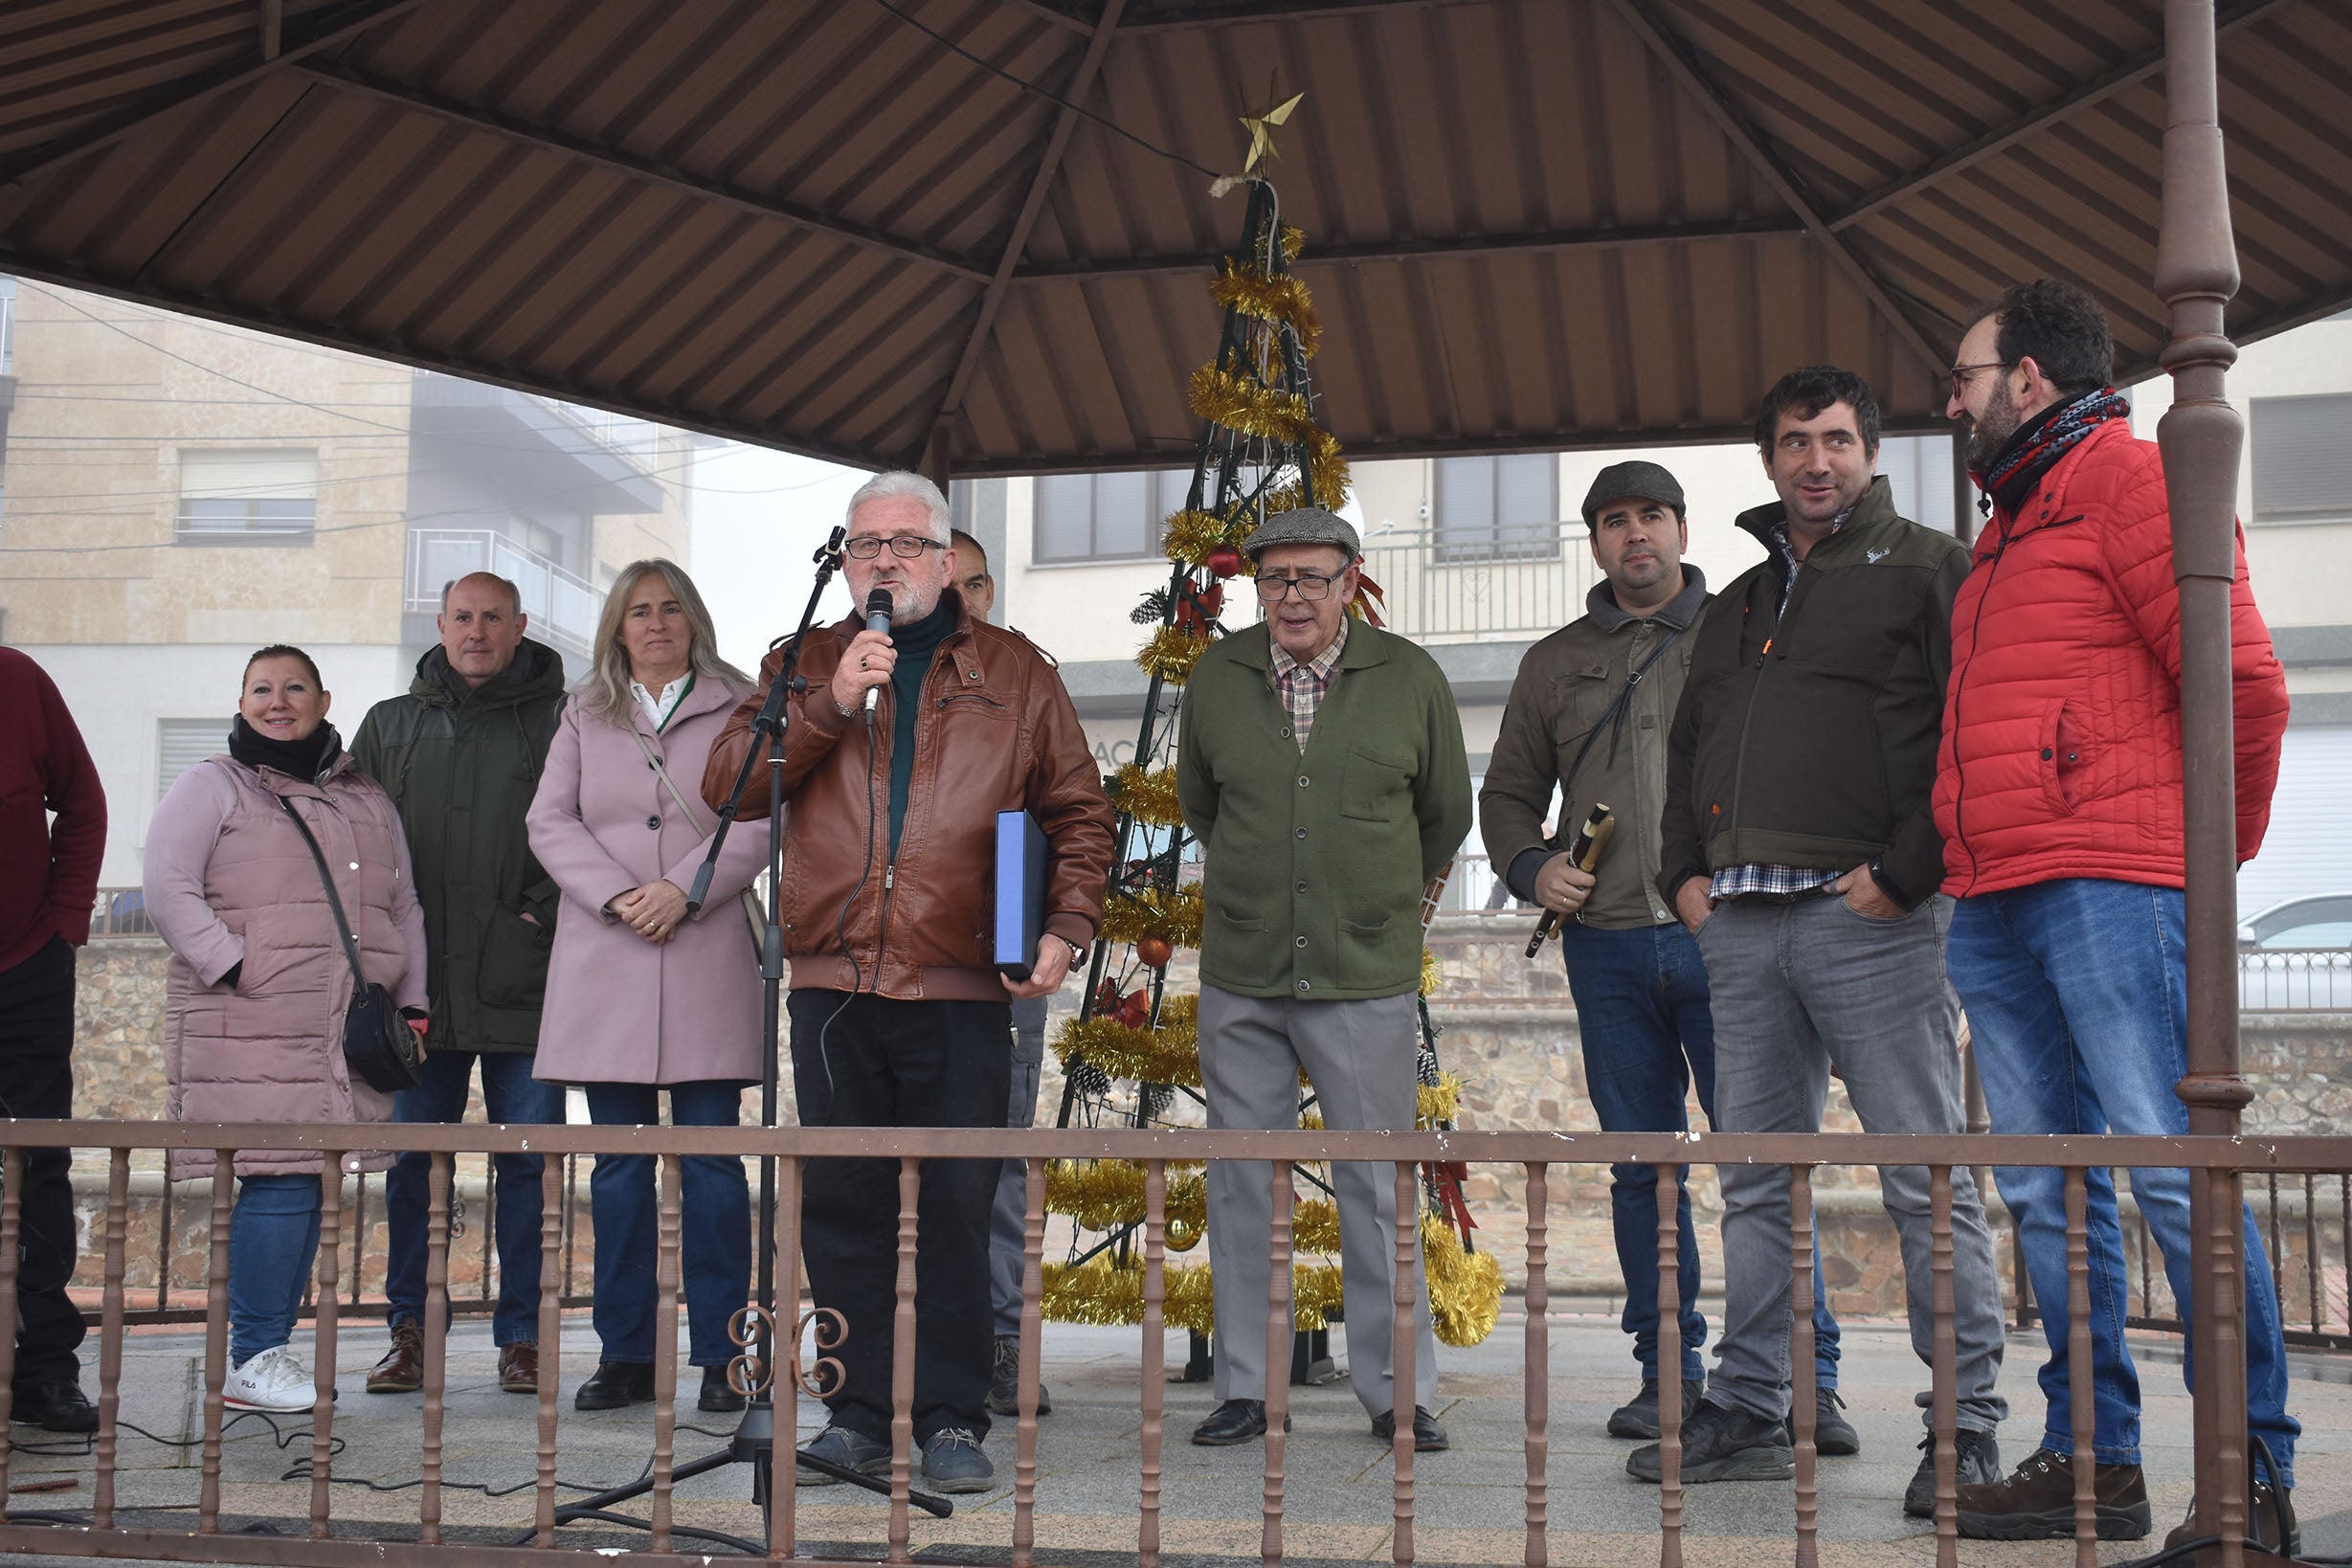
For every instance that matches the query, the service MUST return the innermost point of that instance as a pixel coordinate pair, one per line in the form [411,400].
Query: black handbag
[378,1045]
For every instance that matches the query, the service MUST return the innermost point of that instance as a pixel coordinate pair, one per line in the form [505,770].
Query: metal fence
[2217,1166]
[1508,582]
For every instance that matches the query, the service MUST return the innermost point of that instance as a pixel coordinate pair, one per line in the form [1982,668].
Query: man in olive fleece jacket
[1801,850]
[1320,765]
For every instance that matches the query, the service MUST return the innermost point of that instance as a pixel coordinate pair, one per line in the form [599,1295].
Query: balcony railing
[226,1487]
[561,606]
[1517,581]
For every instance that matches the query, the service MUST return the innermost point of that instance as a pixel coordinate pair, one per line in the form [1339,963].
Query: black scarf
[2037,444]
[307,760]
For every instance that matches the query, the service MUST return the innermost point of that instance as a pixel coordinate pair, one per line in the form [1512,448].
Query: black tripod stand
[754,1372]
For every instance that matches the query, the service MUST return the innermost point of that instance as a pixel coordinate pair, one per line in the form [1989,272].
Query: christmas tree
[1131,1055]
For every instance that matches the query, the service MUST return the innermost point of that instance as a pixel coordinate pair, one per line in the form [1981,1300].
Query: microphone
[878,609]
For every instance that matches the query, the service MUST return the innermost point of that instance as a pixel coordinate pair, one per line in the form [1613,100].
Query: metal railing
[1518,580]
[561,604]
[2217,1167]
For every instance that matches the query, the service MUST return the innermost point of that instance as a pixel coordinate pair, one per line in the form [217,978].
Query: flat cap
[1304,526]
[1637,478]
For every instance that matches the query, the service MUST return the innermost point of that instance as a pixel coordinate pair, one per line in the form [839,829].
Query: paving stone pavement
[1469,1504]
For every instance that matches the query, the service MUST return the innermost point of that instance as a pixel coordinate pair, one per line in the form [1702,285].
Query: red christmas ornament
[1224,561]
[1136,1012]
[1154,950]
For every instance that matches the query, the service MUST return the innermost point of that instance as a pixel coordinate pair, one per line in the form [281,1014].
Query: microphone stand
[754,1439]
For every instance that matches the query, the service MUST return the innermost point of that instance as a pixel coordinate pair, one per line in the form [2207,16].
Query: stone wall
[1506,1029]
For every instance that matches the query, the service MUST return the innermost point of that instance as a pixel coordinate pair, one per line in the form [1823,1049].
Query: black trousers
[879,1063]
[37,1079]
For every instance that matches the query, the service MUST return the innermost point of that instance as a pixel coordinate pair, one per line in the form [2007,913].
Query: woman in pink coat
[642,997]
[259,980]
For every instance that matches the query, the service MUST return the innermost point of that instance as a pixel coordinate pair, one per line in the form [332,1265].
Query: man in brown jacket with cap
[1587,719]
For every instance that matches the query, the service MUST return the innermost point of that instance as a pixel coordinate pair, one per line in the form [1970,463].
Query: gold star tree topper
[1262,130]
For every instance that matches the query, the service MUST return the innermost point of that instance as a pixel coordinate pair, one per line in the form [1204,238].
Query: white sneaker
[275,1379]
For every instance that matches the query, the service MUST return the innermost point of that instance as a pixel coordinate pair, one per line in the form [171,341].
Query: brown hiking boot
[402,1371]
[518,1367]
[2270,1521]
[2035,1502]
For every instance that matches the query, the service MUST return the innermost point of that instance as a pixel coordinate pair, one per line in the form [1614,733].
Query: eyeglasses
[1963,374]
[865,546]
[1312,587]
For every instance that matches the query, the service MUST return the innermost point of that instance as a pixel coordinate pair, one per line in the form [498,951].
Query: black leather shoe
[1832,1433]
[59,1406]
[1236,1420]
[1428,1437]
[719,1396]
[614,1384]
[1638,1417]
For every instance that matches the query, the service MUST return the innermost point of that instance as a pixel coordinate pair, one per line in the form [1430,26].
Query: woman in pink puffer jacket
[258,982]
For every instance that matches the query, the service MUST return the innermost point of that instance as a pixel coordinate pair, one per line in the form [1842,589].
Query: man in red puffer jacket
[2058,794]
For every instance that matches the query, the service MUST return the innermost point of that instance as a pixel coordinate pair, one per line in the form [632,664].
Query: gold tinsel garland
[1280,298]
[1174,914]
[1437,1102]
[1106,1192]
[1248,404]
[1147,794]
[1466,1289]
[1431,977]
[1170,653]
[1328,471]
[1191,535]
[1170,1054]
[1099,1292]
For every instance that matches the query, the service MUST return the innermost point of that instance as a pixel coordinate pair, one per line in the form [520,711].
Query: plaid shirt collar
[1302,684]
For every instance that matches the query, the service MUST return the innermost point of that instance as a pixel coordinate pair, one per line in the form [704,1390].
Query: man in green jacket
[1320,765]
[460,755]
[1800,847]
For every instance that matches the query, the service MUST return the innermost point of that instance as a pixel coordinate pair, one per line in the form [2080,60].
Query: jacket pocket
[1373,788]
[1370,953]
[274,947]
[1237,950]
[2060,757]
[514,961]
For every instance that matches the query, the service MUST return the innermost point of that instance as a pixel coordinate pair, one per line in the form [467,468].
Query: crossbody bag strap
[334,900]
[693,822]
[1617,706]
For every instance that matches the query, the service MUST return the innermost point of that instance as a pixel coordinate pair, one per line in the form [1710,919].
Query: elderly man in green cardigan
[1321,766]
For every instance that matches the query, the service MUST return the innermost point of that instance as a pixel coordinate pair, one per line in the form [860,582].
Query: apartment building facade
[179,493]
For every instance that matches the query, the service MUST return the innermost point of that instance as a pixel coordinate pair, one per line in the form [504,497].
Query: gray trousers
[1801,990]
[1012,1204]
[1358,1055]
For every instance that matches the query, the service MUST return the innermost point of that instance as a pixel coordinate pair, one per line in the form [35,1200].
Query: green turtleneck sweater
[916,643]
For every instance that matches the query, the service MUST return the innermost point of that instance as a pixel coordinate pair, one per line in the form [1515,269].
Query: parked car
[2297,956]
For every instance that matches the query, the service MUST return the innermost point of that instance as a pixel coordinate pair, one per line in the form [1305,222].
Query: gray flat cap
[1636,478]
[1304,526]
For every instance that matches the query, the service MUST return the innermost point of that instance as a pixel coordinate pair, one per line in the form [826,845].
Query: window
[1104,517]
[2302,456]
[1497,509]
[1918,469]
[180,744]
[248,498]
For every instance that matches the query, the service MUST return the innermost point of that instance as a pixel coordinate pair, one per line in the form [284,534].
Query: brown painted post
[329,1264]
[1804,1390]
[11,1232]
[1278,1291]
[1032,1351]
[2081,1413]
[215,1330]
[667,1275]
[783,1369]
[1404,1344]
[439,1189]
[110,1336]
[903,1457]
[1669,1383]
[2202,436]
[551,1337]
[1154,1355]
[1943,1374]
[1536,1373]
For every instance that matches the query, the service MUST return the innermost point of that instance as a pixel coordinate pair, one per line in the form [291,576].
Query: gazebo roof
[837,226]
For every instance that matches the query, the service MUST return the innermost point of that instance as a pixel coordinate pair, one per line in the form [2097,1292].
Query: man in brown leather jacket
[899,1015]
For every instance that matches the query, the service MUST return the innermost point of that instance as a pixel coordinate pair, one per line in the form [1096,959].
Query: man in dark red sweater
[47,885]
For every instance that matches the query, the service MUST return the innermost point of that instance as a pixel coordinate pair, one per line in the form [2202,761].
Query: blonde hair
[604,691]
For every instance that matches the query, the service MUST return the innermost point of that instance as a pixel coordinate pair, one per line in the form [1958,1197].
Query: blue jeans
[273,1240]
[714,1219]
[2076,993]
[509,1093]
[1648,1033]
